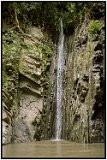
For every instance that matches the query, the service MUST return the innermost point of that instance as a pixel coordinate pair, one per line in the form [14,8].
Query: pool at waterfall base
[53,149]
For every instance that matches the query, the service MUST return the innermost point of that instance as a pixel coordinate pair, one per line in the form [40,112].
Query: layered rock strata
[84,90]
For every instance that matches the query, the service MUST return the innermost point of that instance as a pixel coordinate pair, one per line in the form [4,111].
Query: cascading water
[60,61]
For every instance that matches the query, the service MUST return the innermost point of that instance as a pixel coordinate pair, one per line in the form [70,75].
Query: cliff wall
[84,107]
[29,84]
[25,103]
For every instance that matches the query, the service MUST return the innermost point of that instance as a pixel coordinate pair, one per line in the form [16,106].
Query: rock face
[28,125]
[29,93]
[10,85]
[26,120]
[7,128]
[84,91]
[30,100]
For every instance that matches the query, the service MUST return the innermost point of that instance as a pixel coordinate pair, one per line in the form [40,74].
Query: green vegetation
[11,49]
[94,26]
[84,58]
[47,52]
[47,15]
[10,58]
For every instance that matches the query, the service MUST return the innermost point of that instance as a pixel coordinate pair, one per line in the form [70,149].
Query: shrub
[94,26]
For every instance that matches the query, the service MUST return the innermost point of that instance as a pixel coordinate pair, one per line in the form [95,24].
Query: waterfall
[60,61]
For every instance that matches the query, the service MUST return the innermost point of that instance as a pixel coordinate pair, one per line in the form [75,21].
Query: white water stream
[60,62]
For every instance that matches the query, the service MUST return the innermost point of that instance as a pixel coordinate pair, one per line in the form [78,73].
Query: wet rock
[98,46]
[83,40]
[83,95]
[97,134]
[84,100]
[85,78]
[97,68]
[95,37]
[21,132]
[6,128]
[98,57]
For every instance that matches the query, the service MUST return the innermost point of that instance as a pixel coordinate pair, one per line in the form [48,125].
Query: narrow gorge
[53,72]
